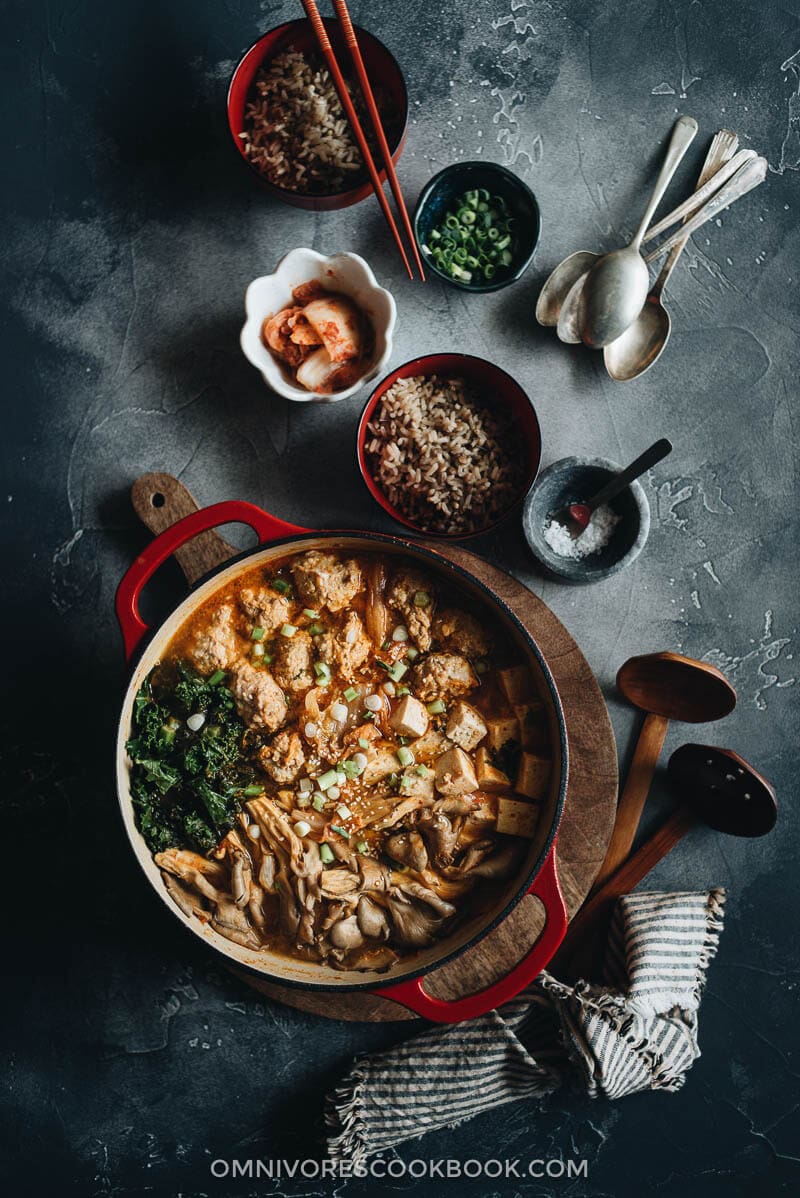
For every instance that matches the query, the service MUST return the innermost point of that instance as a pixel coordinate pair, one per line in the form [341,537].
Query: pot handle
[546,888]
[232,511]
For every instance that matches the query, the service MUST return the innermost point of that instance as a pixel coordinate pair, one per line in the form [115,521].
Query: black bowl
[574,480]
[449,185]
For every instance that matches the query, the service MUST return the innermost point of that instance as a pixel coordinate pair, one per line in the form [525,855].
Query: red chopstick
[312,12]
[369,98]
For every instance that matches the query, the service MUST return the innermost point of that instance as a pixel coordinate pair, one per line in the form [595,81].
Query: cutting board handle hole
[158,500]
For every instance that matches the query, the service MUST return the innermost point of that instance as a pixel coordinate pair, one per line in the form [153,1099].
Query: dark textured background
[131,230]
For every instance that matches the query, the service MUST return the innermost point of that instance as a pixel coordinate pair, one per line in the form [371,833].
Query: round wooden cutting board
[160,500]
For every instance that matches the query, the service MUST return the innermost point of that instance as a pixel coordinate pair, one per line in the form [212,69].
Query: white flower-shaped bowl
[345,273]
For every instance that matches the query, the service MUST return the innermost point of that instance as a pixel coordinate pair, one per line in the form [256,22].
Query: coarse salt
[594,538]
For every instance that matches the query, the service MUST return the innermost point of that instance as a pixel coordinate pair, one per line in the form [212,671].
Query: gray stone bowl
[573,480]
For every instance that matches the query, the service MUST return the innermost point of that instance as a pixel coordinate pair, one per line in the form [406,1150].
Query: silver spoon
[643,341]
[559,281]
[749,175]
[616,287]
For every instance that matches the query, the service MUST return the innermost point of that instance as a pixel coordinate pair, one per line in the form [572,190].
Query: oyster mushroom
[409,849]
[372,919]
[346,933]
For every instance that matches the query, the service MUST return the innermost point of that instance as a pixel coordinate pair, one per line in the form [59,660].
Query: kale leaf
[187,786]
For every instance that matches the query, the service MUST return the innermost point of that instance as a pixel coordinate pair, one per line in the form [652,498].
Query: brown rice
[447,462]
[296,132]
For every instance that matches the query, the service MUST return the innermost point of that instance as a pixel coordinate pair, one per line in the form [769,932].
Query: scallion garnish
[216,678]
[350,694]
[281,586]
[474,240]
[326,854]
[257,634]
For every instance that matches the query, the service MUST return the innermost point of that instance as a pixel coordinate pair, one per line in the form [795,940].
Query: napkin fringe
[669,1000]
[344,1117]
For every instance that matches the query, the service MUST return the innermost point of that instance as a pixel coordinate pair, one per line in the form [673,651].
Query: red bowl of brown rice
[288,124]
[449,445]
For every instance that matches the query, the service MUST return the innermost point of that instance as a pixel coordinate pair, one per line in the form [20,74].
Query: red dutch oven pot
[537,875]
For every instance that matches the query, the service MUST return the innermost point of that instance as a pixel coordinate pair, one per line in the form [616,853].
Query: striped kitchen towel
[638,1031]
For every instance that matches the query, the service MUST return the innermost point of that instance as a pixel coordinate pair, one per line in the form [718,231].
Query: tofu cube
[381,761]
[415,785]
[516,683]
[517,818]
[430,746]
[502,730]
[410,717]
[490,778]
[532,726]
[533,776]
[465,726]
[455,773]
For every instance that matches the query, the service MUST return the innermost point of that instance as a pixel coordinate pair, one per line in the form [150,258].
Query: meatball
[346,649]
[411,595]
[292,661]
[460,632]
[265,607]
[259,700]
[215,647]
[324,580]
[284,758]
[442,675]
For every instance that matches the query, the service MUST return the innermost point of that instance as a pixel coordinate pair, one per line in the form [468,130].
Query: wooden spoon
[716,787]
[668,687]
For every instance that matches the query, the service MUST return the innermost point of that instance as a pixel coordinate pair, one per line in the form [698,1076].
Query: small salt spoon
[576,517]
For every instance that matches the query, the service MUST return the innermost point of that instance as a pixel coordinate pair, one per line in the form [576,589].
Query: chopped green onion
[341,831]
[350,694]
[405,756]
[423,771]
[343,811]
[309,611]
[363,743]
[481,667]
[421,599]
[403,690]
[397,671]
[352,769]
[288,630]
[315,629]
[304,800]
[323,672]
[326,854]
[437,707]
[362,847]
[281,586]
[253,789]
[411,653]
[318,802]
[257,634]
[216,678]
[327,779]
